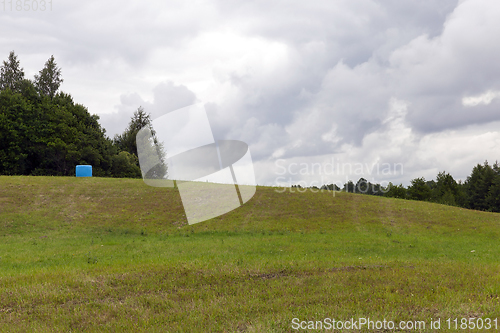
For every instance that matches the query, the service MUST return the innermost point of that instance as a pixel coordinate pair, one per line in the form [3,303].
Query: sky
[321,91]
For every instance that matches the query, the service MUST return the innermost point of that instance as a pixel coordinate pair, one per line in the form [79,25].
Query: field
[97,254]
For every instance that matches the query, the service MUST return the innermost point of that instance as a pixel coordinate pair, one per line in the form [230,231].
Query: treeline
[480,191]
[44,132]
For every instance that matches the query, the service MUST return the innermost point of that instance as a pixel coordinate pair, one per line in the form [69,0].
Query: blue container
[84,170]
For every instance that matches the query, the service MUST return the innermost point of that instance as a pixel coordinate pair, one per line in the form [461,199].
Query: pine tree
[11,74]
[446,190]
[396,191]
[419,190]
[49,78]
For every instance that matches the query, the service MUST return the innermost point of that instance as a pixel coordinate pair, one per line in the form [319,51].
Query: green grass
[94,254]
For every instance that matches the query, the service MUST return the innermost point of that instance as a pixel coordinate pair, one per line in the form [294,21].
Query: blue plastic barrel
[84,170]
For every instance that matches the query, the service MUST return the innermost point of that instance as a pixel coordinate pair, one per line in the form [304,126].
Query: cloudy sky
[389,90]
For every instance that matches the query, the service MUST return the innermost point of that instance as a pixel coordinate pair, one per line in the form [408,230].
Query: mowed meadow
[101,254]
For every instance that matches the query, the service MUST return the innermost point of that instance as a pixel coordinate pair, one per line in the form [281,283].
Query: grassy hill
[97,254]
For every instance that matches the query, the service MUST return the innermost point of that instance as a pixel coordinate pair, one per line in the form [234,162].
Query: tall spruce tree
[11,73]
[478,185]
[127,142]
[49,78]
[493,197]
